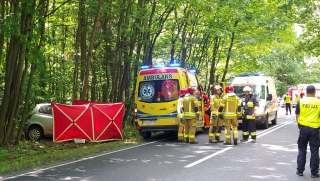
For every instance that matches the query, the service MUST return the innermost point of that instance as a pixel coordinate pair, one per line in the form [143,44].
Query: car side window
[46,109]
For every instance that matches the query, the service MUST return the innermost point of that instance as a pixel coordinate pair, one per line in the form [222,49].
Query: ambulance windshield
[257,90]
[156,91]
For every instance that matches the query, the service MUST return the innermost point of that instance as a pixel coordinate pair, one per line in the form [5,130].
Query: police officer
[191,111]
[249,104]
[230,106]
[182,93]
[308,119]
[215,121]
[288,105]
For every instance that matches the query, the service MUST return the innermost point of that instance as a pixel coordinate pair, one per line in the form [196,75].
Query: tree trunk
[229,53]
[216,44]
[83,47]
[88,62]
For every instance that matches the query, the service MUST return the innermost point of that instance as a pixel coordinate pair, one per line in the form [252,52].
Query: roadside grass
[33,154]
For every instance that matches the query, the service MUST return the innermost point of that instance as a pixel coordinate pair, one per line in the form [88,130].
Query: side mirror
[269,97]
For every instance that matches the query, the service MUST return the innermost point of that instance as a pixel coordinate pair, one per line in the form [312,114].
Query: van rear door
[158,100]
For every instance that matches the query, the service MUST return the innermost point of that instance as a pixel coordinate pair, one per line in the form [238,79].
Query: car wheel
[35,133]
[274,122]
[265,125]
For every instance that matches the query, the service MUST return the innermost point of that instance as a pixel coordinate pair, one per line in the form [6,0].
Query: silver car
[40,124]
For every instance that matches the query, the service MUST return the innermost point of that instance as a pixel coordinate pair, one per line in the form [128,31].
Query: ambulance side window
[192,80]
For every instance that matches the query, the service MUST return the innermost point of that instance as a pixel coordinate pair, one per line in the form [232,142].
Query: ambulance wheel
[274,122]
[265,125]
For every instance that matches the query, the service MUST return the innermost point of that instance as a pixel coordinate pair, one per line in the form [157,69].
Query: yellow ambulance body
[156,98]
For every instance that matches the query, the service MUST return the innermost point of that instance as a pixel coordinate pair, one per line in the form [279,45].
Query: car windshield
[156,91]
[257,90]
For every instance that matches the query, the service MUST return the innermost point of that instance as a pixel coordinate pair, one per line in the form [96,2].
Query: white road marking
[87,158]
[228,148]
[207,157]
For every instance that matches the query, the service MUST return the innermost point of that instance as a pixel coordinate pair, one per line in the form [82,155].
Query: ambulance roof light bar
[174,65]
[251,74]
[159,66]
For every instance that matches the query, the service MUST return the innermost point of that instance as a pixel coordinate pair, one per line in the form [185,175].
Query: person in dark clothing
[249,104]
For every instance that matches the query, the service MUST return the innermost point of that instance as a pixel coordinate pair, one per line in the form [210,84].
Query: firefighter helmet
[301,94]
[229,89]
[247,88]
[183,92]
[217,87]
[191,89]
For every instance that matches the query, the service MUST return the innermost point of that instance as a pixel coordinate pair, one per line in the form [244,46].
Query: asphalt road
[273,157]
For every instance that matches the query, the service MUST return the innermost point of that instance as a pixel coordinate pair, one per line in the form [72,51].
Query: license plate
[149,122]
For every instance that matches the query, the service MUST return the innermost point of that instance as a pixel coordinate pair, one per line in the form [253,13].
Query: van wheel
[274,122]
[266,122]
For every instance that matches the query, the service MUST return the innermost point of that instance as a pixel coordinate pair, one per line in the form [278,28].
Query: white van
[263,88]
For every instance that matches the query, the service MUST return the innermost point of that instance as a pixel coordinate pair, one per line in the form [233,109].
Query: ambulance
[263,88]
[156,97]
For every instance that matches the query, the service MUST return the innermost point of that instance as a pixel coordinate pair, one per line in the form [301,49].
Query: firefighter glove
[182,120]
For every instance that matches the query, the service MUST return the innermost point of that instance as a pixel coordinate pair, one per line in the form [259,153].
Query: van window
[156,91]
[259,91]
[192,80]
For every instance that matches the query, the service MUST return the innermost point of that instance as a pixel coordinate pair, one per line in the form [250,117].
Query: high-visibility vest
[189,103]
[215,102]
[287,99]
[230,103]
[309,112]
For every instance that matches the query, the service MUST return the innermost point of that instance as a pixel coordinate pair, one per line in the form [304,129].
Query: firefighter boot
[235,141]
[218,139]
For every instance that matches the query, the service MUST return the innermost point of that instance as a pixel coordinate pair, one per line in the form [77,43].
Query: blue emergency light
[192,70]
[174,65]
[145,67]
[250,74]
[158,66]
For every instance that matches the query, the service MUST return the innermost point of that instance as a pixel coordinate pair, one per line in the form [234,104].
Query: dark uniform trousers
[249,125]
[311,135]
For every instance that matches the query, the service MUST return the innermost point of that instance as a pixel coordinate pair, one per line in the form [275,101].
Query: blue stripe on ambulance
[143,115]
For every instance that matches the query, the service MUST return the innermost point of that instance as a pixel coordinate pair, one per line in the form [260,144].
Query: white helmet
[247,88]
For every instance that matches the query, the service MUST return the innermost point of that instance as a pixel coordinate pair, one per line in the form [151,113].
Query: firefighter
[249,104]
[182,93]
[230,106]
[216,121]
[207,110]
[190,112]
